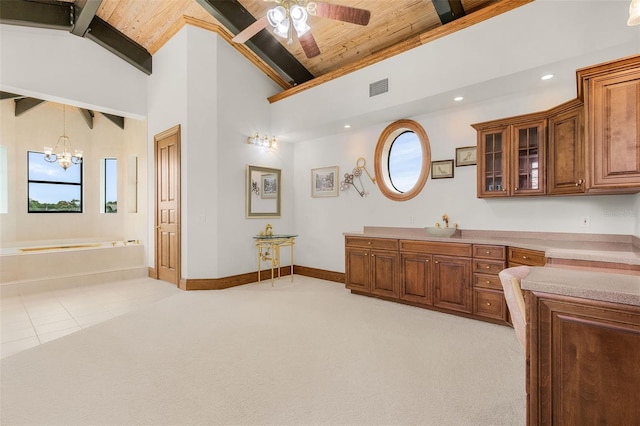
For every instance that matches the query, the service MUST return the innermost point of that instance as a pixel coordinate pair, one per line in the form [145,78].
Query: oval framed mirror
[402,160]
[262,192]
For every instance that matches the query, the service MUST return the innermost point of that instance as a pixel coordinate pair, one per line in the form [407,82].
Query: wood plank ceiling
[395,26]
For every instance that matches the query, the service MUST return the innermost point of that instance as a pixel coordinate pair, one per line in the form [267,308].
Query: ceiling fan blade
[251,30]
[343,13]
[309,45]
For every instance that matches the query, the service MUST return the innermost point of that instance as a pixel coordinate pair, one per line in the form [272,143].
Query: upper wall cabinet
[511,156]
[611,94]
[566,173]
[590,145]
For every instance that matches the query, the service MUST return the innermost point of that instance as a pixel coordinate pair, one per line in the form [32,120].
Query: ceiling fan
[291,15]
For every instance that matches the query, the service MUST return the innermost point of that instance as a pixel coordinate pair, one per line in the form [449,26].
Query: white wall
[219,98]
[41,126]
[321,221]
[58,66]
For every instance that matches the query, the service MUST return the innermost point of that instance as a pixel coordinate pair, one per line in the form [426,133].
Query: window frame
[49,182]
[381,159]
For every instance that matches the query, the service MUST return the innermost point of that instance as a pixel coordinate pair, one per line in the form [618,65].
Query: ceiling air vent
[379,87]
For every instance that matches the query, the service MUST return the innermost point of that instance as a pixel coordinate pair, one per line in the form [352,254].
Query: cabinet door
[529,160]
[452,283]
[416,279]
[384,273]
[492,162]
[613,104]
[566,174]
[357,269]
[582,361]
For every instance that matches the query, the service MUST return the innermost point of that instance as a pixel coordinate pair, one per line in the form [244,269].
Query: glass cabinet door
[493,176]
[529,155]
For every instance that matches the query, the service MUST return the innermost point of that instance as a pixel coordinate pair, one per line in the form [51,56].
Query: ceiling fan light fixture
[282,29]
[634,13]
[276,15]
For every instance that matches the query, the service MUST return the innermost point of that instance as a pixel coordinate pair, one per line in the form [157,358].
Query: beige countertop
[615,288]
[590,247]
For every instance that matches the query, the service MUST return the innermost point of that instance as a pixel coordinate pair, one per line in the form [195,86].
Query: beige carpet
[300,353]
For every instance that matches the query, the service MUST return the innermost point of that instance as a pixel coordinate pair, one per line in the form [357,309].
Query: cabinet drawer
[492,267]
[489,303]
[487,281]
[489,252]
[374,243]
[446,249]
[526,257]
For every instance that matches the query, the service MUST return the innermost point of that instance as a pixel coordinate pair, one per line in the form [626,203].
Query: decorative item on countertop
[349,179]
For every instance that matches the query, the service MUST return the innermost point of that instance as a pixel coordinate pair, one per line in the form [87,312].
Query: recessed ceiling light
[458,98]
[347,126]
[546,77]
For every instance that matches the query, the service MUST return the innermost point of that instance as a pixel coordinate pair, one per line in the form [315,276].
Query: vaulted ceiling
[136,29]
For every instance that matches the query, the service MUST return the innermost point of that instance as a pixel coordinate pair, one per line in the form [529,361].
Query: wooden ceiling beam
[449,10]
[61,16]
[115,119]
[33,14]
[84,12]
[88,116]
[25,104]
[236,18]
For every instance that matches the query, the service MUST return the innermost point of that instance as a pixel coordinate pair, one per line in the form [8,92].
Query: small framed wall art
[269,185]
[466,156]
[442,169]
[324,182]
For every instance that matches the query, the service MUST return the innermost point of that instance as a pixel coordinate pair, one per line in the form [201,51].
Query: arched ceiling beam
[65,16]
[25,104]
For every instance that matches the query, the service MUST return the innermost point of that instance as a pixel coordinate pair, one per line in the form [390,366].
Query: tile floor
[31,319]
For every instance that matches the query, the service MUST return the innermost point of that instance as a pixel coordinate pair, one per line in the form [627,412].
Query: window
[110,199]
[51,188]
[405,161]
[402,160]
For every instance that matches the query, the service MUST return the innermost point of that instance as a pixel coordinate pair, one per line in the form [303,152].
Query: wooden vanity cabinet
[611,94]
[582,361]
[437,274]
[566,169]
[372,265]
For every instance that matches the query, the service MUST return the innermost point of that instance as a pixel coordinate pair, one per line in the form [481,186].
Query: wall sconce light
[263,141]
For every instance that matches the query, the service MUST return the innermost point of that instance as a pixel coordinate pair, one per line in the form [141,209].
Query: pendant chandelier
[62,151]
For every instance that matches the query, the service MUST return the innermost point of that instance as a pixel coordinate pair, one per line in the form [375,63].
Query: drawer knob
[488,252]
[488,303]
[525,257]
[437,261]
[488,282]
[488,266]
[369,242]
